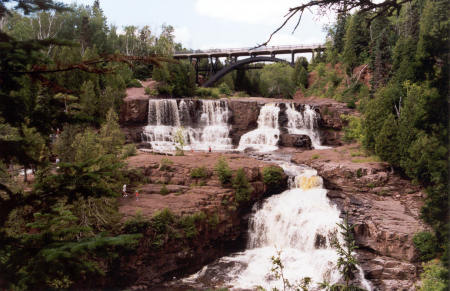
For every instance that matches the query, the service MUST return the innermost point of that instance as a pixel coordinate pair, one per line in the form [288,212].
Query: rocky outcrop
[134,111]
[384,208]
[244,118]
[221,230]
[295,140]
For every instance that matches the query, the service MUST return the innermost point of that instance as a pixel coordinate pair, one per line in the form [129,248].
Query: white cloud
[248,11]
[183,35]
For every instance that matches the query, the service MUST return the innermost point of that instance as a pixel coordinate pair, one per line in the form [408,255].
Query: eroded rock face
[134,111]
[295,140]
[385,210]
[244,118]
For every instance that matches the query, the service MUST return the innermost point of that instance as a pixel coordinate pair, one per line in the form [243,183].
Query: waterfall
[304,122]
[167,118]
[266,136]
[300,223]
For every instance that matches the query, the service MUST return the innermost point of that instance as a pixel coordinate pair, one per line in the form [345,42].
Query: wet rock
[244,118]
[295,140]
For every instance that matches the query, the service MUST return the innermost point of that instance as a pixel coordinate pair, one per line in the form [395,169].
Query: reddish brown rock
[295,140]
[134,110]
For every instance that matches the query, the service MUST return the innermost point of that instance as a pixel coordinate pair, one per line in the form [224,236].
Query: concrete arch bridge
[254,55]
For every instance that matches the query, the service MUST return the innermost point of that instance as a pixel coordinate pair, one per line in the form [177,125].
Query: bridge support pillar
[292,58]
[196,70]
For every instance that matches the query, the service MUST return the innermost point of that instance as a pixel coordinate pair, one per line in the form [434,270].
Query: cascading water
[266,136]
[300,223]
[167,118]
[304,122]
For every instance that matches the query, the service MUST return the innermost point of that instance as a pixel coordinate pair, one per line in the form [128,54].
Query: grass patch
[315,156]
[370,159]
[164,190]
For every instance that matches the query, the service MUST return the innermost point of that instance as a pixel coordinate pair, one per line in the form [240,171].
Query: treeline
[404,106]
[63,74]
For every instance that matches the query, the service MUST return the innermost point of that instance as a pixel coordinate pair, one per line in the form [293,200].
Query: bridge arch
[214,78]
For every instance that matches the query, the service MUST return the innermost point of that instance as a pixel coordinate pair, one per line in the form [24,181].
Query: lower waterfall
[299,223]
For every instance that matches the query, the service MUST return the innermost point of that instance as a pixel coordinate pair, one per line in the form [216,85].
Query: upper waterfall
[266,136]
[201,129]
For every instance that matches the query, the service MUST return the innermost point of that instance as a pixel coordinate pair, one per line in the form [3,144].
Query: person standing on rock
[124,190]
[137,195]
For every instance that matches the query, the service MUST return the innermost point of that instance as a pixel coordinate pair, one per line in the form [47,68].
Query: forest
[63,75]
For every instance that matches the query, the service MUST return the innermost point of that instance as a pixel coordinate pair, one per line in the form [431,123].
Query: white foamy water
[304,122]
[265,137]
[167,117]
[298,222]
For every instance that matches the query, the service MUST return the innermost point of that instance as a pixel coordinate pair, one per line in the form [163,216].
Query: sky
[208,24]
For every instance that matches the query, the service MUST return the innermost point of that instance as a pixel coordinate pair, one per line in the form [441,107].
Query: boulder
[295,140]
[244,118]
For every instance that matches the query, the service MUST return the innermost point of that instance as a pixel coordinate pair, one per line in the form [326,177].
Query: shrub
[164,190]
[434,276]
[242,187]
[162,224]
[427,244]
[208,92]
[164,164]
[189,223]
[150,92]
[224,89]
[199,173]
[315,156]
[354,130]
[272,177]
[137,224]
[133,83]
[223,171]
[128,150]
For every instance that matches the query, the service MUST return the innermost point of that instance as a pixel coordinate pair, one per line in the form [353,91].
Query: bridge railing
[253,49]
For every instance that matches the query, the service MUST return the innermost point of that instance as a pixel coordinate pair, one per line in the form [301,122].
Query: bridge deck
[238,52]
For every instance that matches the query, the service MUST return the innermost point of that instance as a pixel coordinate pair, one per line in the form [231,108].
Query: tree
[277,81]
[347,261]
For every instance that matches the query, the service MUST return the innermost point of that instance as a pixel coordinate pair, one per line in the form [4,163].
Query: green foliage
[199,173]
[356,42]
[164,164]
[162,224]
[353,131]
[189,223]
[136,224]
[434,277]
[213,93]
[224,89]
[180,141]
[223,171]
[277,81]
[177,79]
[242,187]
[300,75]
[347,261]
[273,177]
[133,83]
[164,190]
[427,244]
[129,150]
[111,136]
